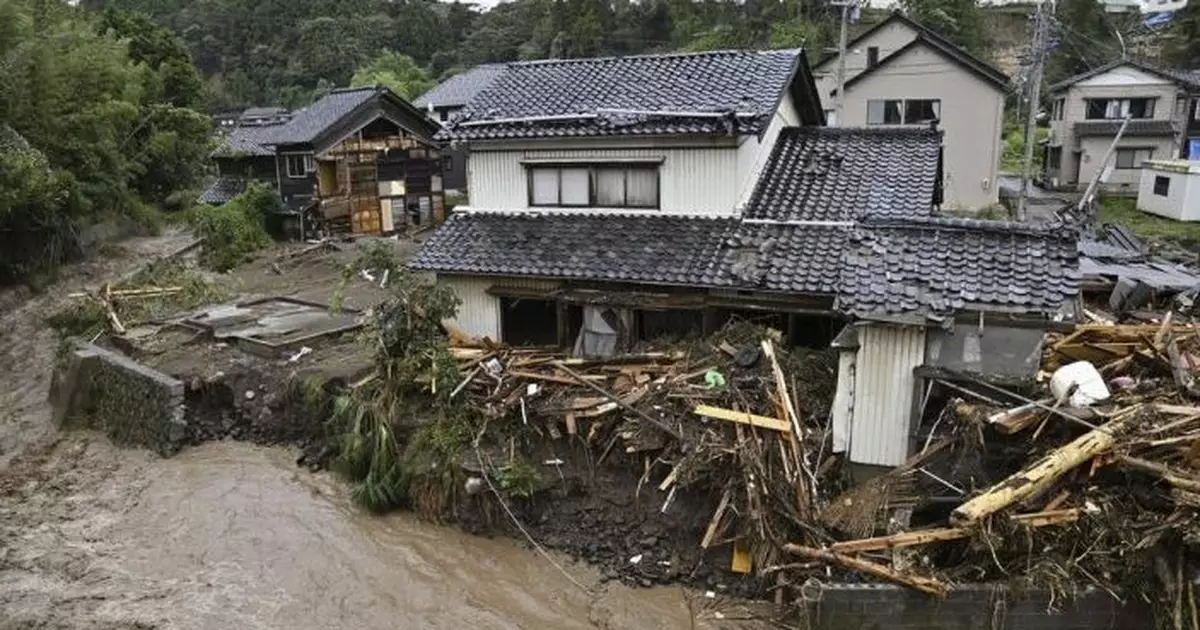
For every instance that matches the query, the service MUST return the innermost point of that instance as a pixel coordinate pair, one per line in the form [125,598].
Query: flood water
[230,535]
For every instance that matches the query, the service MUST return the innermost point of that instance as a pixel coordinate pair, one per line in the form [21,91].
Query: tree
[957,20]
[1183,47]
[1085,39]
[395,71]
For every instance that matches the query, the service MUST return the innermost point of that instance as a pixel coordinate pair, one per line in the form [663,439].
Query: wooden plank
[741,561]
[714,524]
[572,427]
[743,418]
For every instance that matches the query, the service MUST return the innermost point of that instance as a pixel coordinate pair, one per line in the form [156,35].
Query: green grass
[1123,211]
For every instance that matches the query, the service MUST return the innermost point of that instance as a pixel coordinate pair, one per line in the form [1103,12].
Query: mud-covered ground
[227,534]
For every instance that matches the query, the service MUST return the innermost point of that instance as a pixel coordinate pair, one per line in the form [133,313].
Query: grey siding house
[447,99]
[1088,109]
[899,72]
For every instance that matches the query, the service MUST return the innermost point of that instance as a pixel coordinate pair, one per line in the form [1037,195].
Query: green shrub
[235,230]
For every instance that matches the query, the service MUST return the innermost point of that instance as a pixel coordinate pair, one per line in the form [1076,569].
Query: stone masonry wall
[100,389]
[885,607]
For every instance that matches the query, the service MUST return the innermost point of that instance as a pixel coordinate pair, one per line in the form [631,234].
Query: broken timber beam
[927,585]
[1043,473]
[926,536]
[743,418]
[666,428]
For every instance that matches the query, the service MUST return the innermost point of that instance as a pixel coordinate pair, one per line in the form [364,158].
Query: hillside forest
[105,104]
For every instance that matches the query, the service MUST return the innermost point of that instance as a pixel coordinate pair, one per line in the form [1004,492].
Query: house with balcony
[1088,109]
[899,72]
[359,160]
[616,201]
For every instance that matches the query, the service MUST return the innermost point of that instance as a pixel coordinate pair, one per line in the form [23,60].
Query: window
[1196,109]
[603,186]
[872,56]
[1059,105]
[922,111]
[299,165]
[1162,185]
[884,112]
[447,163]
[1118,108]
[1132,158]
[1054,157]
[903,112]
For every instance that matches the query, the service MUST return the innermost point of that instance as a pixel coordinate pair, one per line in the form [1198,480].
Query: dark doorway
[525,322]
[670,325]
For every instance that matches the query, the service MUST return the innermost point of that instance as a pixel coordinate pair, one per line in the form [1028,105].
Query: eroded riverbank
[229,534]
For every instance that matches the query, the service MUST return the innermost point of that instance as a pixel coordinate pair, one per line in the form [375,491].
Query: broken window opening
[526,322]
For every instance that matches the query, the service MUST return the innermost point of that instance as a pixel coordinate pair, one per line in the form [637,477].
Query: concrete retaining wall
[96,388]
[885,607]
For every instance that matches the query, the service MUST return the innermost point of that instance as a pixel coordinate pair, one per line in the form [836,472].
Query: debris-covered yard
[708,462]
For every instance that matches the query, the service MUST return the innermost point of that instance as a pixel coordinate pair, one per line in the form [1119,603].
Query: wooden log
[1017,419]
[927,585]
[742,418]
[1040,475]
[926,536]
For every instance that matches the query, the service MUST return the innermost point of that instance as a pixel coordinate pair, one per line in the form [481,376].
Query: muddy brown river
[231,535]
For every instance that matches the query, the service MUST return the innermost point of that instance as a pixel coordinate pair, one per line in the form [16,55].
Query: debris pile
[1094,485]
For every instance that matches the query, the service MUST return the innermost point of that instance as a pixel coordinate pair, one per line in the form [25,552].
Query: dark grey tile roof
[222,190]
[841,173]
[248,141]
[709,92]
[656,249]
[308,123]
[791,258]
[938,266]
[1085,128]
[459,89]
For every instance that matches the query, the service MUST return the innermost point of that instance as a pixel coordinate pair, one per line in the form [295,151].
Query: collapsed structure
[673,194]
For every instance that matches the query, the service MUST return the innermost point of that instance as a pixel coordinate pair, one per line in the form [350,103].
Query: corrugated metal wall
[479,313]
[694,181]
[884,390]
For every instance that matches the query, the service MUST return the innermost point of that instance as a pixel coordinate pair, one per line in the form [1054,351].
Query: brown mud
[229,534]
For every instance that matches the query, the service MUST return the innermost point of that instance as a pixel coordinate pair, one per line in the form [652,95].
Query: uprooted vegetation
[234,231]
[163,287]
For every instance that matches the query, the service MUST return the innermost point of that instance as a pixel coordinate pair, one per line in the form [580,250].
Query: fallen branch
[926,536]
[927,585]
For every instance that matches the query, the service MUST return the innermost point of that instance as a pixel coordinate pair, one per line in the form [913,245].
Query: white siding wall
[888,40]
[754,152]
[700,180]
[972,117]
[479,313]
[884,390]
[1122,180]
[1182,201]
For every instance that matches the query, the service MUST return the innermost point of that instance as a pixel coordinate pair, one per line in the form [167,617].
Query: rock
[250,394]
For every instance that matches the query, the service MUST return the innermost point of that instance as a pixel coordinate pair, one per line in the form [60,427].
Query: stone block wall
[969,607]
[96,388]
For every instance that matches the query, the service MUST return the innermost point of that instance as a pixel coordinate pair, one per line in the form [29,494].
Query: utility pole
[841,72]
[1041,36]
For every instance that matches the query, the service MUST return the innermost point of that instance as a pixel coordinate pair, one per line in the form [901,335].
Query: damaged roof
[789,258]
[459,89]
[841,173]
[939,265]
[730,91]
